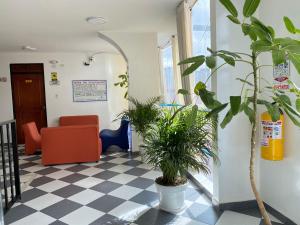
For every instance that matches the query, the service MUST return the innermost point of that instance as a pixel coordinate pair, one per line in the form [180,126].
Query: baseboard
[252,204]
[279,215]
[239,206]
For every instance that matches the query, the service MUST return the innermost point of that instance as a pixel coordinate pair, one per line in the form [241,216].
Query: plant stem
[259,200]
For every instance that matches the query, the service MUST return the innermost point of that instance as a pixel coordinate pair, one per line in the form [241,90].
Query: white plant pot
[172,198]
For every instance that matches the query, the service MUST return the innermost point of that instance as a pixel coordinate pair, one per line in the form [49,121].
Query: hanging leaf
[298,104]
[228,117]
[234,55]
[250,7]
[207,98]
[289,25]
[234,19]
[183,92]
[228,59]
[216,110]
[192,68]
[245,81]
[271,31]
[278,57]
[294,120]
[210,62]
[285,99]
[200,58]
[235,102]
[249,112]
[295,60]
[230,7]
[274,111]
[260,29]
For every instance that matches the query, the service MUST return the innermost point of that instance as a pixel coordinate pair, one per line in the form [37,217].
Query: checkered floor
[117,190]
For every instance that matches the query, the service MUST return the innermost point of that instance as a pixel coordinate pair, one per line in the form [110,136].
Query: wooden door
[28,93]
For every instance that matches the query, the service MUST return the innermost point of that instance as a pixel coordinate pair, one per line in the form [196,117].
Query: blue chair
[117,137]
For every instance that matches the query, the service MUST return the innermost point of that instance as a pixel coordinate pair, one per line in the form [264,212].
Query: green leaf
[228,59]
[298,104]
[294,120]
[252,35]
[192,68]
[274,111]
[272,31]
[210,62]
[285,99]
[261,46]
[250,7]
[234,55]
[278,57]
[246,28]
[216,110]
[235,102]
[207,98]
[200,58]
[245,81]
[289,25]
[230,7]
[191,118]
[228,117]
[260,29]
[295,60]
[249,112]
[183,92]
[234,19]
[199,86]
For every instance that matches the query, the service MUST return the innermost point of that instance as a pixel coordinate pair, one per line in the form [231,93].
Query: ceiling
[59,25]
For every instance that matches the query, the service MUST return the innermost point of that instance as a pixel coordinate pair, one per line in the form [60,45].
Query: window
[168,75]
[201,36]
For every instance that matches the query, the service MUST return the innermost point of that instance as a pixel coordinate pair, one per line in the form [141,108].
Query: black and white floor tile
[117,190]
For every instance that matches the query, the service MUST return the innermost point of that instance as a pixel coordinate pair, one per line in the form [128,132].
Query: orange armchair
[79,120]
[70,144]
[32,138]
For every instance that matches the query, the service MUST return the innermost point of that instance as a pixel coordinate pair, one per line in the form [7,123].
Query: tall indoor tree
[263,40]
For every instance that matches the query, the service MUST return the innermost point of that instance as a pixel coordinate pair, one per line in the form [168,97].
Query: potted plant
[263,40]
[180,140]
[141,115]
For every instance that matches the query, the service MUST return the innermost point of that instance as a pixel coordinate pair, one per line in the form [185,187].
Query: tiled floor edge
[207,192]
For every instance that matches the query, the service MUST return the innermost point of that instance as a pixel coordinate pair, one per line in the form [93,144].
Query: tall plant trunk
[259,200]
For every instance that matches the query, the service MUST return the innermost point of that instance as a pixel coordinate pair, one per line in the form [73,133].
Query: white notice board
[89,90]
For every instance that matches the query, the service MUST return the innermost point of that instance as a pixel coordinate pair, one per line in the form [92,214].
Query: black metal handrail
[10,177]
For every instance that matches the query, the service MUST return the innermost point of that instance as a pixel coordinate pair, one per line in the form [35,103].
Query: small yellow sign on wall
[53,76]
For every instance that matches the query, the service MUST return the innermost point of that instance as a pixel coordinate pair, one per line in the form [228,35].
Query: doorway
[28,94]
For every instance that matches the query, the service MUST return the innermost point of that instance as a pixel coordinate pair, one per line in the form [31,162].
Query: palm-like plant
[142,114]
[180,140]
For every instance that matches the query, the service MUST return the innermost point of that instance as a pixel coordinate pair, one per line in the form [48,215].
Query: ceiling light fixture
[96,20]
[29,48]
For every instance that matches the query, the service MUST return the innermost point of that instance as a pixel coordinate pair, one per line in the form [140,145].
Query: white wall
[231,178]
[280,181]
[143,62]
[141,50]
[59,99]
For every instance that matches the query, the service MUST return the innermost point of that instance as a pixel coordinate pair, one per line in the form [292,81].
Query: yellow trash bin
[271,137]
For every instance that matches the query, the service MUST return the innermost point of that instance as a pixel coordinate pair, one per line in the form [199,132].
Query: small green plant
[123,83]
[142,115]
[181,139]
[263,40]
